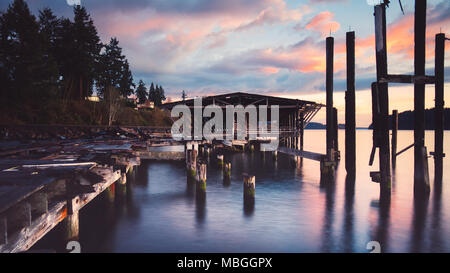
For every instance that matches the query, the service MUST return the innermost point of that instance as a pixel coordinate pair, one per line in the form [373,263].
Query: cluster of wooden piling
[37,194]
[380,104]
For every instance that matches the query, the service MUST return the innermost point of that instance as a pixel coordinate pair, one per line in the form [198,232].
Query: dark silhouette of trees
[141,92]
[53,57]
[183,95]
[114,71]
[26,71]
[85,56]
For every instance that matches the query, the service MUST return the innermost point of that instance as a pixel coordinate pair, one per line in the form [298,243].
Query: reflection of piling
[439,107]
[350,124]
[275,155]
[394,138]
[249,188]
[421,179]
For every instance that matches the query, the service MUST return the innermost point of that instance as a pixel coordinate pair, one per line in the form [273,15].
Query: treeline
[55,57]
[154,94]
[406,120]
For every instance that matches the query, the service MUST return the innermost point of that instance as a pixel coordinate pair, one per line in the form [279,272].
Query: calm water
[292,212]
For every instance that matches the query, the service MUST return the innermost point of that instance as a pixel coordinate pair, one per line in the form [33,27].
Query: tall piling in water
[394,137]
[249,188]
[350,123]
[201,177]
[382,100]
[329,96]
[439,107]
[337,155]
[421,179]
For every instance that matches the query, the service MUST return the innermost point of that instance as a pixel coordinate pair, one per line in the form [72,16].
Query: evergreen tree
[26,71]
[141,92]
[152,93]
[87,49]
[183,95]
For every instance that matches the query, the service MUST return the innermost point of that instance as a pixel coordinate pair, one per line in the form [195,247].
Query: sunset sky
[272,47]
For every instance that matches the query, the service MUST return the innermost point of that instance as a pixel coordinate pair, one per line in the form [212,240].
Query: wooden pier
[51,184]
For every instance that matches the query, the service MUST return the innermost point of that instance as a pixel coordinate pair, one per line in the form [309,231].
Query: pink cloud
[323,23]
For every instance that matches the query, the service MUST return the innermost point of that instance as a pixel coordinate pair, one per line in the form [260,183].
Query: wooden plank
[304,154]
[422,79]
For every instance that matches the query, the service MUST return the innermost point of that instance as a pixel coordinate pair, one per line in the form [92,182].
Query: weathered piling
[201,177]
[220,161]
[421,180]
[71,224]
[302,129]
[439,107]
[382,100]
[121,185]
[191,163]
[394,137]
[249,187]
[327,170]
[335,135]
[350,124]
[329,94]
[111,192]
[227,170]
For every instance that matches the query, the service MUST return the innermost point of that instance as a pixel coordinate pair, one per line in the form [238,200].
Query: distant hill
[406,120]
[315,126]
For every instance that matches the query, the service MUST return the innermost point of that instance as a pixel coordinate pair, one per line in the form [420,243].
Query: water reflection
[159,211]
[418,225]
[249,207]
[329,188]
[347,241]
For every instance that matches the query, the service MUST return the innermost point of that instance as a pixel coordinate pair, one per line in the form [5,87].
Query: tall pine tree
[141,92]
[87,46]
[113,70]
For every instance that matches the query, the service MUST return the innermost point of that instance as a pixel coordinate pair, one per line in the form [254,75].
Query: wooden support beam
[394,137]
[439,107]
[407,79]
[421,185]
[71,227]
[350,123]
[302,129]
[329,94]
